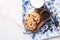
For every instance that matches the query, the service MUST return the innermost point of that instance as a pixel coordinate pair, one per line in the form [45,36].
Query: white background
[10,20]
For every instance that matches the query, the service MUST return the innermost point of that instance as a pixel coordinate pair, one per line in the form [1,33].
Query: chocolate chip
[29,15]
[31,24]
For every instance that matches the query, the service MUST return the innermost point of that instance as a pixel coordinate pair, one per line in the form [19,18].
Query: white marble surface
[10,20]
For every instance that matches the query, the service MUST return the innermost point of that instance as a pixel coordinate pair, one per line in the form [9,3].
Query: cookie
[30,24]
[36,16]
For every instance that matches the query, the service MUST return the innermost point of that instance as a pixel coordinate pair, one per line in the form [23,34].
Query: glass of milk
[37,3]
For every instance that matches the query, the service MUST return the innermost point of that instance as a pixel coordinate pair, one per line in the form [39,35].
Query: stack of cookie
[31,20]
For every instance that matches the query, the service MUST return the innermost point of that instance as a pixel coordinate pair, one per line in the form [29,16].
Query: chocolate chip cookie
[31,20]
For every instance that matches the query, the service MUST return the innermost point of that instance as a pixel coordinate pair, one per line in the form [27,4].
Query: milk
[37,3]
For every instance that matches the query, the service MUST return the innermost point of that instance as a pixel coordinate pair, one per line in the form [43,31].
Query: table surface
[11,21]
